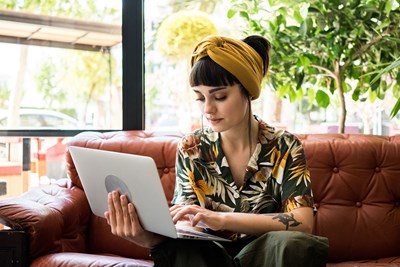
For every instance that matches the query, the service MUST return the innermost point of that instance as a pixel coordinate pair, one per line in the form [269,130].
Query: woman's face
[225,107]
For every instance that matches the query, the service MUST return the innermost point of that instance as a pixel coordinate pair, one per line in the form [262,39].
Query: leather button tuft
[336,169]
[377,169]
[358,204]
[166,170]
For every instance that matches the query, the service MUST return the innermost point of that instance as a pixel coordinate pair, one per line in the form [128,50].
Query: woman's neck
[238,137]
[238,148]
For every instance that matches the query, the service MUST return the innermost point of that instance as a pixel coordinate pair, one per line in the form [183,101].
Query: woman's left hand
[124,222]
[198,216]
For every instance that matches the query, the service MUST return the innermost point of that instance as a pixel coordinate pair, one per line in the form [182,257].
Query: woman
[239,177]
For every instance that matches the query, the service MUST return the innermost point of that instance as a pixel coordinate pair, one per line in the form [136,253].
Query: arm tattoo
[287,220]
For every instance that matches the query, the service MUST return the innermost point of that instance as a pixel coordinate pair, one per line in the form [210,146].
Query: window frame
[133,93]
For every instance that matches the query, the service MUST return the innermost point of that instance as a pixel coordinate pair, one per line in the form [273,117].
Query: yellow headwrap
[235,56]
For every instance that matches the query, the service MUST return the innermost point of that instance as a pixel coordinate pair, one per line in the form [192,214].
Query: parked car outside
[40,119]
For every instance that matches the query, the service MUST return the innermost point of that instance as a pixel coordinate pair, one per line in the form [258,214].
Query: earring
[202,125]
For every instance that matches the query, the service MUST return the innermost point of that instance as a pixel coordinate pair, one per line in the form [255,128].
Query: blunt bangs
[207,72]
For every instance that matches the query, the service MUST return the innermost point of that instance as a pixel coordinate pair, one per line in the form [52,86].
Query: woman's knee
[294,240]
[305,249]
[285,248]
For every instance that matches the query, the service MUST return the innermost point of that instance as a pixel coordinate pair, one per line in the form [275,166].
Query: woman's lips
[214,121]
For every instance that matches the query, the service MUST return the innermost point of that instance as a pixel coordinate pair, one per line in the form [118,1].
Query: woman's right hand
[124,222]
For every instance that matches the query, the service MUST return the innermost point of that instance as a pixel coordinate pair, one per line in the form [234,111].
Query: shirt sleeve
[296,183]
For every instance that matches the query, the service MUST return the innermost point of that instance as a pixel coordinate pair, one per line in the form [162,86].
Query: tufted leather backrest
[356,185]
[355,181]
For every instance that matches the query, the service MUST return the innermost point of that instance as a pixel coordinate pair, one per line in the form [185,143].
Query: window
[63,57]
[172,30]
[63,75]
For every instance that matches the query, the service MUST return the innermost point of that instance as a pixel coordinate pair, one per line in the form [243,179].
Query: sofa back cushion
[355,181]
[356,186]
[160,146]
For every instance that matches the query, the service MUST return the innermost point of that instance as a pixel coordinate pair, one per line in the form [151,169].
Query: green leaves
[231,13]
[323,99]
[310,37]
[395,109]
[394,65]
[391,5]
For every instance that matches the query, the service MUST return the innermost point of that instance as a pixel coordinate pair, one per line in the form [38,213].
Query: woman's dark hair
[207,72]
[262,47]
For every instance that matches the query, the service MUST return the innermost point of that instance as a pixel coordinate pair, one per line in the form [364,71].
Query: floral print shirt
[277,178]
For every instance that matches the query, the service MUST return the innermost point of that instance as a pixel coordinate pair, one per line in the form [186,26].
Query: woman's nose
[208,107]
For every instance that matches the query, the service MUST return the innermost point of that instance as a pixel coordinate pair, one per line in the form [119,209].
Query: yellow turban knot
[235,56]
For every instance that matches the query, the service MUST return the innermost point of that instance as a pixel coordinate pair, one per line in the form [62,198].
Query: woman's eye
[200,99]
[220,98]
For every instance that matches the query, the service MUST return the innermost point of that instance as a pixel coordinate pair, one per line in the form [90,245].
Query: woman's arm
[300,219]
[124,222]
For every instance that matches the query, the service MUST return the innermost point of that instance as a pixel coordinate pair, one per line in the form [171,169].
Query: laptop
[136,176]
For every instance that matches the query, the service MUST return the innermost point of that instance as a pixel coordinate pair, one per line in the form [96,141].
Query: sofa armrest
[55,217]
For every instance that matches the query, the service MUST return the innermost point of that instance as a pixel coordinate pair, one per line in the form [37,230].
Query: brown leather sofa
[355,179]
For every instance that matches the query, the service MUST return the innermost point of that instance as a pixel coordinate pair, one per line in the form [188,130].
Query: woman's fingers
[111,209]
[121,215]
[184,212]
[198,216]
[116,209]
[123,219]
[126,216]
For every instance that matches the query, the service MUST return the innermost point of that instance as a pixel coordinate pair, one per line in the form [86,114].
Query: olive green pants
[273,249]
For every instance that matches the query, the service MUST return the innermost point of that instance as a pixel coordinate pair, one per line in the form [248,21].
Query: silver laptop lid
[136,176]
